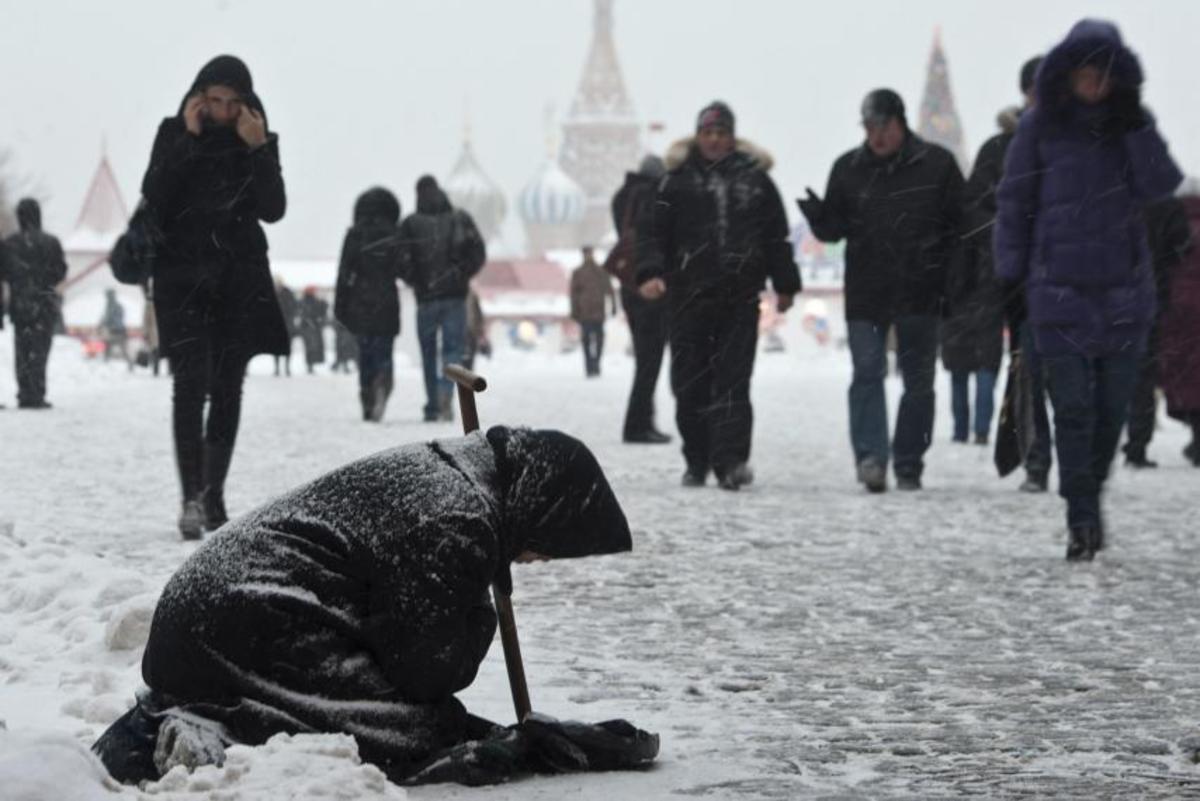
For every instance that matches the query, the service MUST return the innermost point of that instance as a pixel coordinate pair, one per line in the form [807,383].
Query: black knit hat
[715,113]
[1029,73]
[881,105]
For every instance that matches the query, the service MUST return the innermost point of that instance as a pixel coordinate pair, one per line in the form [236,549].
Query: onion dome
[470,189]
[552,198]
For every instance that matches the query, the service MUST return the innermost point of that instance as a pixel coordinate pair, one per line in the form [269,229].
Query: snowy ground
[797,640]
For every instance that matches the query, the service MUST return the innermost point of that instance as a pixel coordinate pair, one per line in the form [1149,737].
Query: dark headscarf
[430,197]
[557,501]
[29,214]
[228,71]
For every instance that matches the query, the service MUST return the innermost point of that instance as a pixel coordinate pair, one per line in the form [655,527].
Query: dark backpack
[132,257]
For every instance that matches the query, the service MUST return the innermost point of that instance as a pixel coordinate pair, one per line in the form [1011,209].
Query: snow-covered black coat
[716,230]
[359,602]
[973,334]
[368,299]
[900,217]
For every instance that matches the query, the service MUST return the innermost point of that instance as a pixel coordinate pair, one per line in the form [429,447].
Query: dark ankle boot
[1081,543]
[216,468]
[189,458]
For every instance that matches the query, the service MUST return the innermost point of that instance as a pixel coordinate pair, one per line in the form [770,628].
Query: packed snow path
[800,639]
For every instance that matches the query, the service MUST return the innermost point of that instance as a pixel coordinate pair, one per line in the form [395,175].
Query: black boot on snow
[1081,543]
[1138,460]
[736,477]
[216,468]
[1192,453]
[695,477]
[191,520]
[1034,482]
[873,475]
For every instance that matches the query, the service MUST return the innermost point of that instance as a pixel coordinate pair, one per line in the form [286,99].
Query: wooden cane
[468,384]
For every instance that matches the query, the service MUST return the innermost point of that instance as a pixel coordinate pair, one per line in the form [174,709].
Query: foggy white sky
[374,91]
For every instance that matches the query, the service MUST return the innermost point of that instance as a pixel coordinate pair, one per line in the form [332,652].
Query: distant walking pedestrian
[287,307]
[592,296]
[367,302]
[312,315]
[1179,354]
[33,266]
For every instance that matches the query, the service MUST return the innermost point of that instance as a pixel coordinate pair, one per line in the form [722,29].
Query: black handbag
[132,257]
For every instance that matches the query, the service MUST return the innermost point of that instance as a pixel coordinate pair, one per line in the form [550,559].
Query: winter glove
[565,746]
[812,207]
[474,763]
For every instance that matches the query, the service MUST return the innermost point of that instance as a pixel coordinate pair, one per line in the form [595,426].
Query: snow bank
[51,767]
[324,766]
[56,767]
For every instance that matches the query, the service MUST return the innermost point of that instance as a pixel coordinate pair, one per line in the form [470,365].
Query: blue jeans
[1091,401]
[916,344]
[374,359]
[960,402]
[449,317]
[1038,461]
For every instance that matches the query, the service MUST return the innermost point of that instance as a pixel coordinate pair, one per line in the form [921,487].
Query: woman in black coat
[214,175]
[368,298]
[359,603]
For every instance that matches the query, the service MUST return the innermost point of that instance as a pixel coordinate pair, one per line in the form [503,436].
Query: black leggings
[204,371]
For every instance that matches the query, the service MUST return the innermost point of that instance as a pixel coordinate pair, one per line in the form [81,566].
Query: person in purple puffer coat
[1084,162]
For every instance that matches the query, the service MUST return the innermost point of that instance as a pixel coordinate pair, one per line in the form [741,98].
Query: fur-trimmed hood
[679,152]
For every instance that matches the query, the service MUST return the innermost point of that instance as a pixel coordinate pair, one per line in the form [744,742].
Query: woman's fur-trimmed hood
[679,152]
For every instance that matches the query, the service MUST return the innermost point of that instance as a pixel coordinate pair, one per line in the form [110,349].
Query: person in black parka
[214,175]
[648,319]
[897,201]
[441,252]
[33,267]
[368,298]
[715,233]
[359,603]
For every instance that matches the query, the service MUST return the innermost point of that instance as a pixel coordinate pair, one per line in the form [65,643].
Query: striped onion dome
[552,198]
[469,188]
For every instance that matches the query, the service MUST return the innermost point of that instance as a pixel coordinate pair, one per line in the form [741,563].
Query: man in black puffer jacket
[441,252]
[358,603]
[32,266]
[897,201]
[214,176]
[368,299]
[716,231]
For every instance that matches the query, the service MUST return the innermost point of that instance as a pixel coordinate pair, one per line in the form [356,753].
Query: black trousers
[32,342]
[204,371]
[648,326]
[1143,407]
[713,344]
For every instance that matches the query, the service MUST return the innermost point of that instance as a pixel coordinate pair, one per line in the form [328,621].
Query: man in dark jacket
[1169,237]
[287,307]
[368,298]
[441,251]
[214,175]
[315,614]
[897,201]
[1084,162]
[648,319]
[716,232]
[33,266]
[592,296]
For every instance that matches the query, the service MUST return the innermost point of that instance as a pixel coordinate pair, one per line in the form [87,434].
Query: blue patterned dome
[552,198]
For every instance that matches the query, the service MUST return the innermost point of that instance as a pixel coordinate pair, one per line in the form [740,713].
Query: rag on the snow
[359,603]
